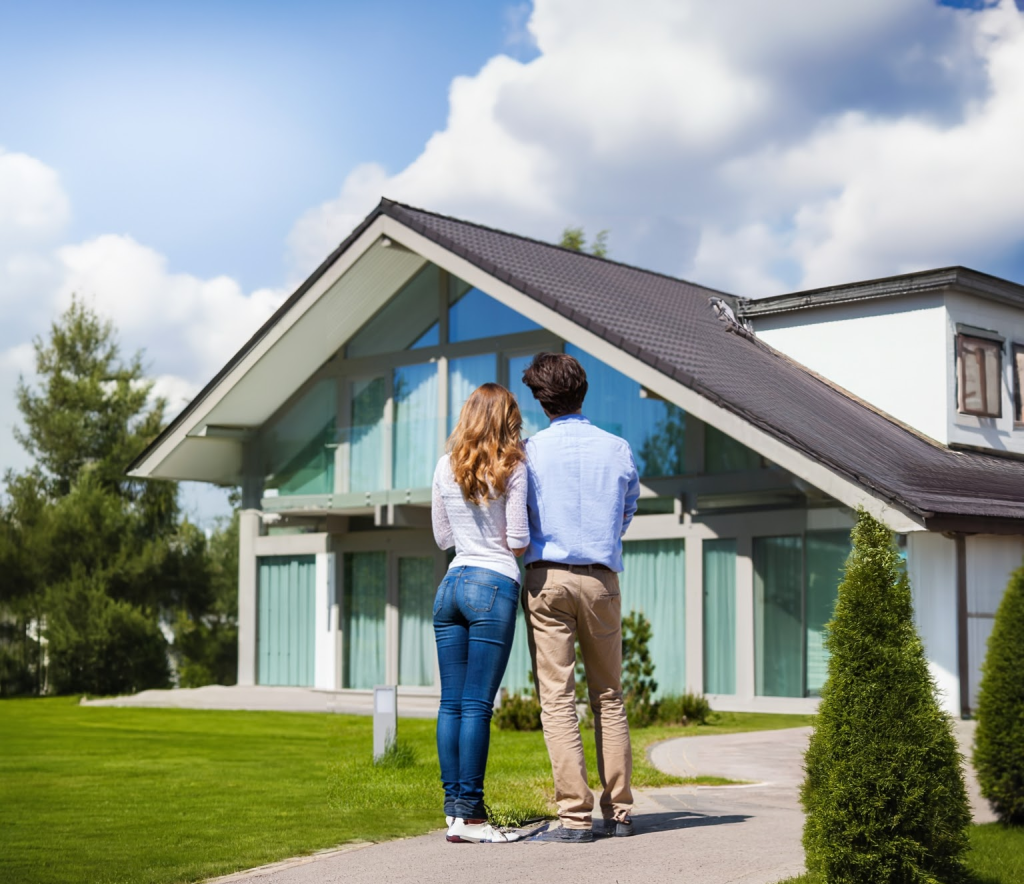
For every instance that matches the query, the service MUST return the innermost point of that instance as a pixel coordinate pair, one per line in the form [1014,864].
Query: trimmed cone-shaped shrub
[999,740]
[884,793]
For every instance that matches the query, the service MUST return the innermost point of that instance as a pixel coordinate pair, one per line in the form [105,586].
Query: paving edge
[283,864]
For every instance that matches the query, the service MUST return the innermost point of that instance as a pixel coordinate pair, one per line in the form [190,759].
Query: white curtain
[464,376]
[826,560]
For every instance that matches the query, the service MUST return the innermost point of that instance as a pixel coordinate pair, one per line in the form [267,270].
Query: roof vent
[725,313]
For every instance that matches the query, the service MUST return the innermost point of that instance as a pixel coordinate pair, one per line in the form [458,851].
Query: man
[583,488]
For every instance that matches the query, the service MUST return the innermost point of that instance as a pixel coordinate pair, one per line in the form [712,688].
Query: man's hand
[518,552]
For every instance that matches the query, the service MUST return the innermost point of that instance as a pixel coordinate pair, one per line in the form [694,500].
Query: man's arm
[632,492]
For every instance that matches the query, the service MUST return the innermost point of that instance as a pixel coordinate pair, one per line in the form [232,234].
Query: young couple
[564,499]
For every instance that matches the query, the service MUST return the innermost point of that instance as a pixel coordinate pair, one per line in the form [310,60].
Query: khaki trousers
[561,606]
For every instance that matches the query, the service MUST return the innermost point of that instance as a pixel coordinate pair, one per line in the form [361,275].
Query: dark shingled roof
[669,324]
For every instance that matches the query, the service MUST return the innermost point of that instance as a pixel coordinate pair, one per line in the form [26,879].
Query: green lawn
[996,857]
[93,794]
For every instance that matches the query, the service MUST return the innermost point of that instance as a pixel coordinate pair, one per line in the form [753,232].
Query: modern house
[758,427]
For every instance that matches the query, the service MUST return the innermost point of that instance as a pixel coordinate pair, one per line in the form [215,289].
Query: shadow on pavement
[650,823]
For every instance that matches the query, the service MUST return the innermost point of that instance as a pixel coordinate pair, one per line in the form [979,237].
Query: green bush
[99,645]
[999,740]
[884,793]
[683,709]
[638,684]
[517,712]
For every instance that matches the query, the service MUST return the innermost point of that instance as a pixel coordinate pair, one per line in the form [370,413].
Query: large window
[654,581]
[796,581]
[473,315]
[298,448]
[655,430]
[1018,384]
[723,454]
[719,616]
[980,366]
[365,589]
[366,434]
[407,321]
[415,430]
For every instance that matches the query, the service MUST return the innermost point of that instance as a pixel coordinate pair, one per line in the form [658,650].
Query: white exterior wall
[990,561]
[931,567]
[325,645]
[891,353]
[1008,322]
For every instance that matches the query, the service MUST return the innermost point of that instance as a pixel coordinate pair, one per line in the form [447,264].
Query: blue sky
[184,165]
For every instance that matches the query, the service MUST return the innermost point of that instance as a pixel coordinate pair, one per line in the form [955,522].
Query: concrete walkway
[713,835]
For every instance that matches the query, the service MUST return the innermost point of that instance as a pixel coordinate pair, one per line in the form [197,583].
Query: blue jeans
[474,624]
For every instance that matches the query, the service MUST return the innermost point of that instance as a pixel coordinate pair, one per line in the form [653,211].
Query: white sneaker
[478,833]
[448,820]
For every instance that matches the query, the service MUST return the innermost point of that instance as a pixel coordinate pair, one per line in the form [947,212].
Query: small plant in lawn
[397,756]
[683,709]
[884,793]
[999,740]
[638,684]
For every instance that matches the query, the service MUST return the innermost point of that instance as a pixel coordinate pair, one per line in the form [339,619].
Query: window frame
[1017,350]
[961,368]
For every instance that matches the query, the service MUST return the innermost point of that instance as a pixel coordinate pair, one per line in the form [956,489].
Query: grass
[996,857]
[148,796]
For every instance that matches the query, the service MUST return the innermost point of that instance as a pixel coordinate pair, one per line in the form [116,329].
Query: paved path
[712,835]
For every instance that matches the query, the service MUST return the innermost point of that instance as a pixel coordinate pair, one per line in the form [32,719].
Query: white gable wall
[890,353]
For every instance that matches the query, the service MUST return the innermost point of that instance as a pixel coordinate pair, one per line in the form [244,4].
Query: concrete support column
[248,531]
[745,681]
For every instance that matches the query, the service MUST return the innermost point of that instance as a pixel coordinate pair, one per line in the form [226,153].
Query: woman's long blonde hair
[485,446]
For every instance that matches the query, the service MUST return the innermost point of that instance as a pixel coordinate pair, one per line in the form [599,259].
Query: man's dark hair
[558,382]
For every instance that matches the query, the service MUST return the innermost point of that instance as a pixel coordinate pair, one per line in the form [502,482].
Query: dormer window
[1018,384]
[979,367]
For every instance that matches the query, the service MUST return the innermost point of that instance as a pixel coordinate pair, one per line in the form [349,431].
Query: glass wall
[365,595]
[719,616]
[474,315]
[655,430]
[366,439]
[415,431]
[723,454]
[298,449]
[654,581]
[534,419]
[796,581]
[416,651]
[464,376]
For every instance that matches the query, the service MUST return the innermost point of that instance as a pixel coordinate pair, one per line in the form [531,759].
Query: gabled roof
[669,325]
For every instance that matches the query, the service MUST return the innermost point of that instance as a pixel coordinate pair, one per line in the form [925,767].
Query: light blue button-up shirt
[582,493]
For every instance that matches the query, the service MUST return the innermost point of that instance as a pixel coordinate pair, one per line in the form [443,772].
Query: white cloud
[33,207]
[752,146]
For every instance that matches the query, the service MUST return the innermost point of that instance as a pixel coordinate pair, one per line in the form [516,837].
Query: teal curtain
[464,376]
[826,560]
[723,454]
[719,616]
[285,620]
[366,435]
[655,430]
[299,447]
[654,582]
[534,419]
[778,616]
[365,596]
[416,589]
[415,430]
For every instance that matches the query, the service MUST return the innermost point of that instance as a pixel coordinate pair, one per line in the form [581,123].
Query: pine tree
[884,793]
[999,740]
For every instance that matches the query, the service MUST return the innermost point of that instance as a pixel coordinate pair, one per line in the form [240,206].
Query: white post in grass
[385,719]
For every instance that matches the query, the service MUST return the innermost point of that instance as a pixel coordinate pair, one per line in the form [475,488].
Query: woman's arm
[517,525]
[438,514]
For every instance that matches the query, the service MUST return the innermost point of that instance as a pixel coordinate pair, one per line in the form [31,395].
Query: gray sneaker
[565,836]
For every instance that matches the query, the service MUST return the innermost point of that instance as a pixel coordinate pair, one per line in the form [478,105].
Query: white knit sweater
[484,535]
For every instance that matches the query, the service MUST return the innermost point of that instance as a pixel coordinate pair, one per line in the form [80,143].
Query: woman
[479,507]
